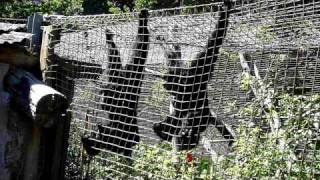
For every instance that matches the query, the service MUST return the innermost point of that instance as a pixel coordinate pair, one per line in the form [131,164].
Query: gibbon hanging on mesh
[121,95]
[188,87]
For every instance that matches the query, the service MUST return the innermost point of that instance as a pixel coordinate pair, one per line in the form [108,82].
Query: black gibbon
[121,95]
[188,88]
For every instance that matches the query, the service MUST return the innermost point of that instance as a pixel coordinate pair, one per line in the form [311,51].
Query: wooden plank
[56,136]
[14,37]
[44,53]
[60,147]
[50,39]
[32,155]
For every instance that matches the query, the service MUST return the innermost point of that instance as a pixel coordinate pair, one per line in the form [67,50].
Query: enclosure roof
[14,37]
[7,27]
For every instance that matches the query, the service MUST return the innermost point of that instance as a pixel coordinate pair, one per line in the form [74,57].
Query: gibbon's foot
[88,144]
[159,129]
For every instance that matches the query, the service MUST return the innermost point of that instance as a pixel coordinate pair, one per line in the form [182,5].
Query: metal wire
[136,88]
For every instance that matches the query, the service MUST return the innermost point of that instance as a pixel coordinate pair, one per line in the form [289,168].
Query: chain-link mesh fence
[219,91]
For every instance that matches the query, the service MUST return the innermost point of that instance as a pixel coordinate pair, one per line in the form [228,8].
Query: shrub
[23,9]
[139,4]
[158,95]
[290,151]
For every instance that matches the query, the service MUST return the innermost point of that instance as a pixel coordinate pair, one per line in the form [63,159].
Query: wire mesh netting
[218,91]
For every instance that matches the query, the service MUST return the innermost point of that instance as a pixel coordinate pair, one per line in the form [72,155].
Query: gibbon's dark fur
[188,87]
[121,95]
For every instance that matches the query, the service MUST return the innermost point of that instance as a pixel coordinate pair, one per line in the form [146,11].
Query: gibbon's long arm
[175,70]
[134,69]
[114,60]
[188,86]
[121,95]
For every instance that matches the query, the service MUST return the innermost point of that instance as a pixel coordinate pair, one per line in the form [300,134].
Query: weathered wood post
[56,136]
[40,107]
[47,37]
[40,103]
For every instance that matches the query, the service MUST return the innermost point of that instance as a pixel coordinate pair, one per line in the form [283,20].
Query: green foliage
[302,132]
[246,81]
[158,95]
[17,9]
[153,162]
[74,155]
[264,33]
[65,7]
[150,162]
[241,29]
[258,154]
[109,165]
[23,9]
[292,152]
[149,4]
[86,94]
[255,155]
[113,9]
[230,55]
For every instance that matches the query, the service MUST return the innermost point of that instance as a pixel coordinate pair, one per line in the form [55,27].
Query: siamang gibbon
[190,113]
[121,95]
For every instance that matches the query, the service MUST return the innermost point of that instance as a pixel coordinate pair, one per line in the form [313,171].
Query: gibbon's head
[144,13]
[109,36]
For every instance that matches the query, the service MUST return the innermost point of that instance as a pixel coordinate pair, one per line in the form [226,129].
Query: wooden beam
[44,53]
[60,148]
[50,37]
[32,155]
[57,135]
